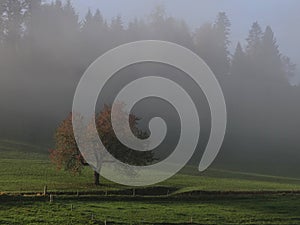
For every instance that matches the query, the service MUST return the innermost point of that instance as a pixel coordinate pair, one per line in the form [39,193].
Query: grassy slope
[24,168]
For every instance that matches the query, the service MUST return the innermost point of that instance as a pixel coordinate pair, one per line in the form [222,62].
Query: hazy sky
[282,15]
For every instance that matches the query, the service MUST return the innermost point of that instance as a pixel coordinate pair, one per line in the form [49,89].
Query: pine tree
[32,17]
[254,40]
[98,17]
[70,18]
[117,24]
[33,7]
[271,57]
[238,63]
[269,44]
[212,41]
[88,18]
[117,32]
[289,67]
[158,16]
[135,30]
[94,24]
[2,25]
[204,44]
[13,21]
[94,32]
[254,53]
[222,31]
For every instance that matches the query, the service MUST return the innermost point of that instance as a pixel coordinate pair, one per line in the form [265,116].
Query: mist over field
[46,47]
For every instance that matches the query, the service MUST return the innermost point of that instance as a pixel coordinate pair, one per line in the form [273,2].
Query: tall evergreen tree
[212,41]
[94,36]
[254,40]
[88,18]
[33,7]
[137,30]
[117,24]
[222,42]
[93,25]
[13,21]
[33,15]
[157,23]
[2,26]
[254,52]
[56,30]
[98,17]
[117,32]
[204,43]
[158,16]
[271,57]
[269,44]
[238,63]
[289,67]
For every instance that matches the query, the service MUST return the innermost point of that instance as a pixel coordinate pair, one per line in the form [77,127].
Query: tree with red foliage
[67,156]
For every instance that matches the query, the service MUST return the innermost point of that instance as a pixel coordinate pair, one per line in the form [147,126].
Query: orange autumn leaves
[67,156]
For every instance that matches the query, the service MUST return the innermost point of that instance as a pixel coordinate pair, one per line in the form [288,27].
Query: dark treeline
[45,48]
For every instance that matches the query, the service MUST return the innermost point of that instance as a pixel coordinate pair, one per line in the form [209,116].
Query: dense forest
[45,49]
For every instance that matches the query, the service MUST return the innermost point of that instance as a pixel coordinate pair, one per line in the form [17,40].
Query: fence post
[45,190]
[51,198]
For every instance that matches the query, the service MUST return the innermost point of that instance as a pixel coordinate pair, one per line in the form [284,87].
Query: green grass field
[213,197]
[229,210]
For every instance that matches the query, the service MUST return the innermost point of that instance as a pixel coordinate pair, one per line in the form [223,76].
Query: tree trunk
[96,178]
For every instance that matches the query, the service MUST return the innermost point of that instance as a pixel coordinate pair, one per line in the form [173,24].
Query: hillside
[26,168]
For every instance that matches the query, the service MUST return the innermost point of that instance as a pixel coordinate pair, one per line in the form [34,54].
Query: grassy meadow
[213,197]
